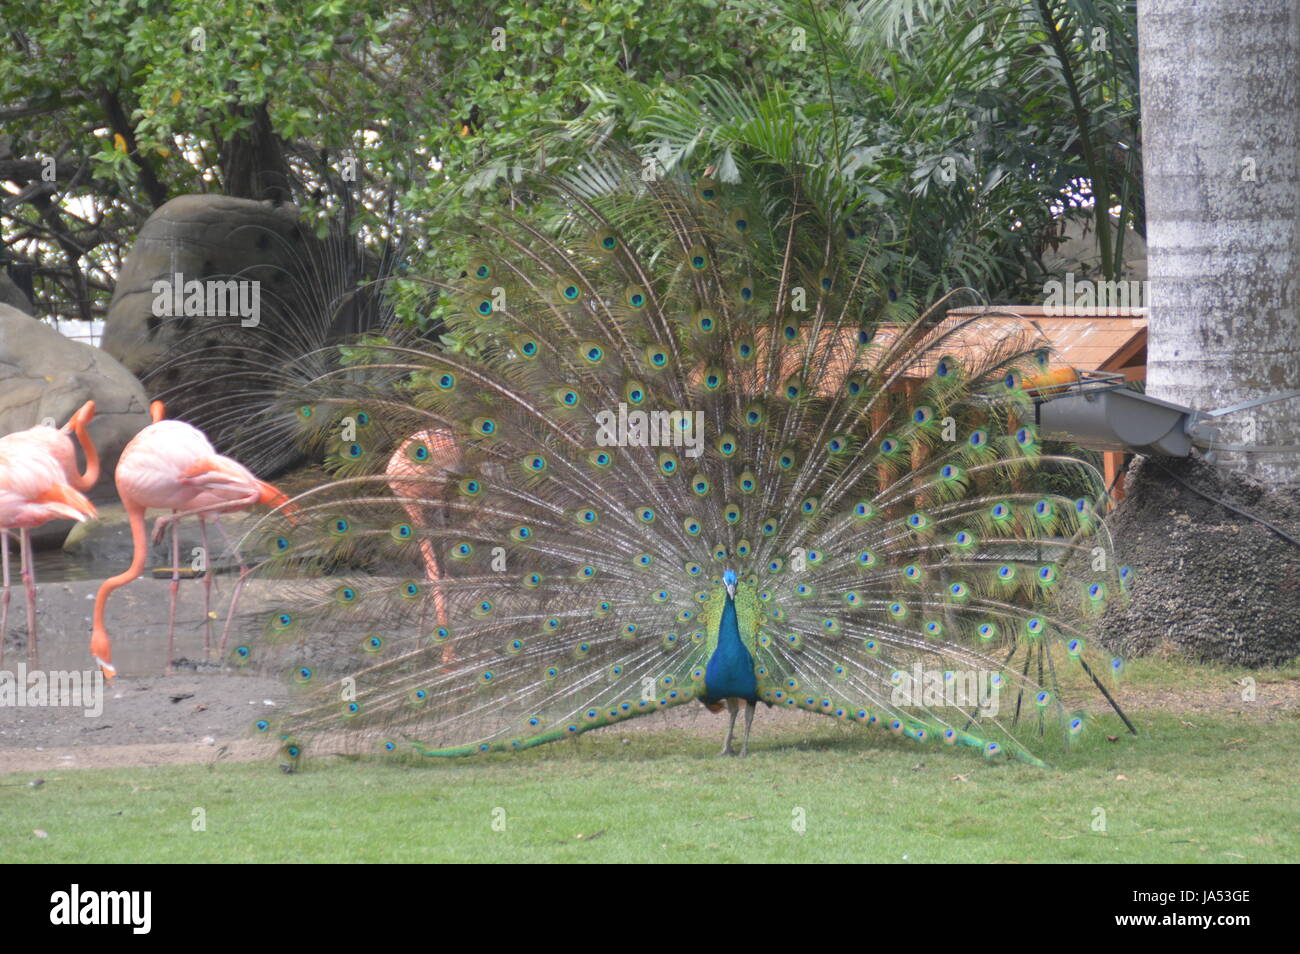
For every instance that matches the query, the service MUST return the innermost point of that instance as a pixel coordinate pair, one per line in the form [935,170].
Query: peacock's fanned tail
[652,383]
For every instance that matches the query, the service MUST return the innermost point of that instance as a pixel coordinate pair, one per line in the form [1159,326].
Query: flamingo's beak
[102,651]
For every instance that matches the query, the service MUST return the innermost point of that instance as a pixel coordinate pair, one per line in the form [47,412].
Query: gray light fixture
[1099,412]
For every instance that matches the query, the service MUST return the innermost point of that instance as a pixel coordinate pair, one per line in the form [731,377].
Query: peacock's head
[729,581]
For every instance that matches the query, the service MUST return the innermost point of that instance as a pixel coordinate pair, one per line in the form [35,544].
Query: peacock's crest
[653,383]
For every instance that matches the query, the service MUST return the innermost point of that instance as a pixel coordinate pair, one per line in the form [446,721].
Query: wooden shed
[1085,339]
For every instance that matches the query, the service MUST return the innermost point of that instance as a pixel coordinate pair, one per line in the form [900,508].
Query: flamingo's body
[171,465]
[36,471]
[416,481]
[34,489]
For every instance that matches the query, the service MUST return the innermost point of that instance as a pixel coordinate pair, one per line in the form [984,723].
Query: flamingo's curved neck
[90,476]
[139,553]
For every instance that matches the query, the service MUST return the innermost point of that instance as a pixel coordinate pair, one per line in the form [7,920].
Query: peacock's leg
[29,580]
[207,587]
[4,594]
[733,706]
[175,588]
[749,721]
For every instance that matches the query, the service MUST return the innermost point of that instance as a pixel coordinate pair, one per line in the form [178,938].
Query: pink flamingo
[33,489]
[416,479]
[58,444]
[170,465]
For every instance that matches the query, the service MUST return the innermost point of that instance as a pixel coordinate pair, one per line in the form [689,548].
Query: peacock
[681,441]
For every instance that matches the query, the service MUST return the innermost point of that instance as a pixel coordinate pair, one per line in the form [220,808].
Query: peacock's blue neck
[730,670]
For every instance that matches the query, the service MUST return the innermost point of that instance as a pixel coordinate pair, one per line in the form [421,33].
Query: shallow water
[56,566]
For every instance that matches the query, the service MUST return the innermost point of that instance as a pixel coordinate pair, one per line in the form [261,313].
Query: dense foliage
[959,136]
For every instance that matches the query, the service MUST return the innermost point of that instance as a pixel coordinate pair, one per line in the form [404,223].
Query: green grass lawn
[1220,789]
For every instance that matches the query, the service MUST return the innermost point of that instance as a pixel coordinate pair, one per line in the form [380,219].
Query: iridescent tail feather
[640,388]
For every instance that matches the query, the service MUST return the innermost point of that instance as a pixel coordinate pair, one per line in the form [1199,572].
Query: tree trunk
[1220,138]
[253,162]
[1220,120]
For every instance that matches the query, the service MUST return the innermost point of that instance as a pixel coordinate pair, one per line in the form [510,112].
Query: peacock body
[679,445]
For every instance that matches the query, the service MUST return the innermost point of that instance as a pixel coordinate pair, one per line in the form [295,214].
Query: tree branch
[118,120]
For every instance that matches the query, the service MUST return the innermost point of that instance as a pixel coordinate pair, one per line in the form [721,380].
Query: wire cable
[1227,506]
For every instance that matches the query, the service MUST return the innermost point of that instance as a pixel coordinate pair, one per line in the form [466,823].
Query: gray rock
[46,377]
[201,237]
[216,371]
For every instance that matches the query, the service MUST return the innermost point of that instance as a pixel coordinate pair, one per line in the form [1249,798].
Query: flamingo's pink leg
[239,585]
[29,580]
[434,573]
[4,594]
[207,586]
[175,588]
[223,506]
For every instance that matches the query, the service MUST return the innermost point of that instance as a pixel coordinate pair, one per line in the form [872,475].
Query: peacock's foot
[727,750]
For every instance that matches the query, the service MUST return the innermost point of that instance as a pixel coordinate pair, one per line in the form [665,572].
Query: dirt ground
[203,714]
[197,714]
[148,720]
[194,717]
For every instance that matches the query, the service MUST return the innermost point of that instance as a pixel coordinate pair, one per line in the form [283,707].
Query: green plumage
[747,613]
[528,523]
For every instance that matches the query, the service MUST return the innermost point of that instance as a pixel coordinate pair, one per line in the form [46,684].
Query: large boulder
[203,237]
[219,372]
[45,377]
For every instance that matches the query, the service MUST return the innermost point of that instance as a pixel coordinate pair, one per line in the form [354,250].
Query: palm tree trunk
[1221,116]
[1221,134]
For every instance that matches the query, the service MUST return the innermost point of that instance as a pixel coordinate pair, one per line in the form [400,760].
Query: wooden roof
[1085,339]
